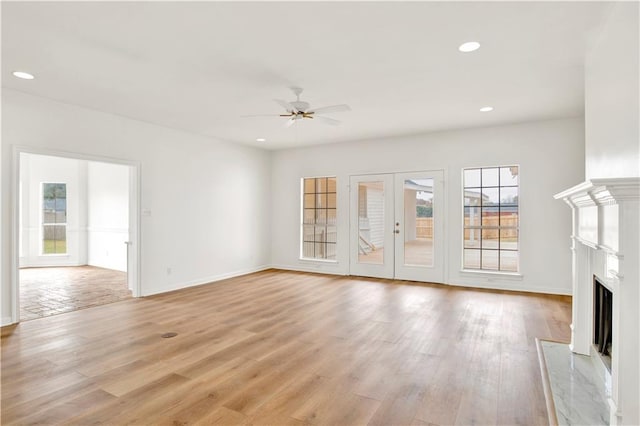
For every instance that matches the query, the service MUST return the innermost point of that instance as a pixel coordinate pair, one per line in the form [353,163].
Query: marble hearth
[605,245]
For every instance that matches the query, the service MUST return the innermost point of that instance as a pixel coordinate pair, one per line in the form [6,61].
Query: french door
[397,226]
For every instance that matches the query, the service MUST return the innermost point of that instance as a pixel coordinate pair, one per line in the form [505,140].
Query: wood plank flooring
[287,348]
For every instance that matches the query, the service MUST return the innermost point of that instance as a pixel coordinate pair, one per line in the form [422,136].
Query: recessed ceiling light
[261,140]
[469,46]
[486,109]
[23,75]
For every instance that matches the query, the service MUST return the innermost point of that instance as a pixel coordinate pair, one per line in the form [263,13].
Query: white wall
[611,97]
[34,171]
[207,200]
[551,158]
[108,215]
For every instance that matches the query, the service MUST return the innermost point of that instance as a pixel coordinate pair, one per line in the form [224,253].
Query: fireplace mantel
[605,244]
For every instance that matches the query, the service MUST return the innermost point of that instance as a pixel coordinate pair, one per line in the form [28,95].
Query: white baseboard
[480,282]
[313,269]
[6,321]
[510,286]
[206,280]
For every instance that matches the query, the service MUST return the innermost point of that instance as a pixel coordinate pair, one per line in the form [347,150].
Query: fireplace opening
[602,320]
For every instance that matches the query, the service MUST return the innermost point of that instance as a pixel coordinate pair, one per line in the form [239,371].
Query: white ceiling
[200,66]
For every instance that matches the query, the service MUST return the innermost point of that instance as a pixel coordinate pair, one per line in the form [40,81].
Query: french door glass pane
[371,222]
[418,222]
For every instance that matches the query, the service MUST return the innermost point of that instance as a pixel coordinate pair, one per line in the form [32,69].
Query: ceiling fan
[299,110]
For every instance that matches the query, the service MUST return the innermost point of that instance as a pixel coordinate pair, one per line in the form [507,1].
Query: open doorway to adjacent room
[74,234]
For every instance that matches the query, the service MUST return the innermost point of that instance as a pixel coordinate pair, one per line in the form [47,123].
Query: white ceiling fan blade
[286,105]
[327,120]
[260,115]
[332,108]
[290,122]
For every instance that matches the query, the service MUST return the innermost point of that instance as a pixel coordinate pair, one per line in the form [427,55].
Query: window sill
[492,274]
[309,260]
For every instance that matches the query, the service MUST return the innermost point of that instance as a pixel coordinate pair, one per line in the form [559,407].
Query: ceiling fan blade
[286,105]
[260,115]
[329,109]
[290,122]
[327,120]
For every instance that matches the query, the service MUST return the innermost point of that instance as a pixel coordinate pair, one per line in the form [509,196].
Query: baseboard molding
[495,284]
[510,286]
[207,280]
[6,321]
[311,269]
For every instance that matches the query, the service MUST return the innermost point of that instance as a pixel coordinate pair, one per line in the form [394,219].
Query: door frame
[444,211]
[134,252]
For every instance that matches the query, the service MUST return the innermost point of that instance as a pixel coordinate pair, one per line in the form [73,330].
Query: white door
[397,226]
[371,224]
[419,226]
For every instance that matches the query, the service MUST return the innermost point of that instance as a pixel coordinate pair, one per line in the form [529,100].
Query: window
[319,218]
[54,218]
[491,218]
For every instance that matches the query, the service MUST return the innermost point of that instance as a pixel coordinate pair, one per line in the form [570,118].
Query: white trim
[6,321]
[493,274]
[312,260]
[599,192]
[510,286]
[209,280]
[312,270]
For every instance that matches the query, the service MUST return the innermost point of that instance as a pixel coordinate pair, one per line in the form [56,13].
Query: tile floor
[52,291]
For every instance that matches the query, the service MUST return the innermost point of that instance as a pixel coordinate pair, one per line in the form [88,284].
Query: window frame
[480,226]
[43,223]
[302,224]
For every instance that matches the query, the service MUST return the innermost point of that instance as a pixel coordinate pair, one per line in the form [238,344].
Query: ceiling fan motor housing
[300,105]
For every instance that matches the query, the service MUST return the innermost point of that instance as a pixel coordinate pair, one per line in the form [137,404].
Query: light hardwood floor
[280,347]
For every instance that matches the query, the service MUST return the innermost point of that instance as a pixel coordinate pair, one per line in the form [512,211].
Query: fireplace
[606,287]
[602,321]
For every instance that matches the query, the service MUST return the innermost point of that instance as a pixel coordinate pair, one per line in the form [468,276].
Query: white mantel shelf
[601,191]
[605,244]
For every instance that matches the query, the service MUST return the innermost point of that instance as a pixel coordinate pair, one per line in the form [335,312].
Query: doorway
[75,233]
[397,226]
